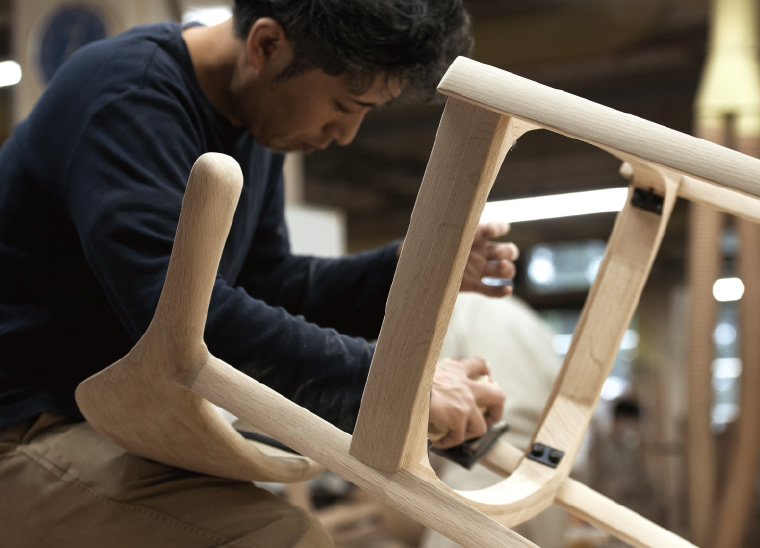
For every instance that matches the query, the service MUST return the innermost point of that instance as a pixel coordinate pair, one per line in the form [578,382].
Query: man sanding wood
[91,186]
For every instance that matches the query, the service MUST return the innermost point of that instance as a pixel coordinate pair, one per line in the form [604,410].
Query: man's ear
[267,43]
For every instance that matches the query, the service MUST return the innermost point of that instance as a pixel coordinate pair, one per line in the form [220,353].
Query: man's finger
[496,229]
[475,367]
[476,425]
[492,398]
[500,251]
[499,269]
[491,230]
[454,437]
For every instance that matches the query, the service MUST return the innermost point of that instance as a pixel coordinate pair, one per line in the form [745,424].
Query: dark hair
[413,40]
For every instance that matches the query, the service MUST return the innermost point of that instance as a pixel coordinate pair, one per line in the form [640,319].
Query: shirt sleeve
[123,190]
[347,293]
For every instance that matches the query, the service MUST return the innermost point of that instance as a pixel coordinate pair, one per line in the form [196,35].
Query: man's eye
[341,108]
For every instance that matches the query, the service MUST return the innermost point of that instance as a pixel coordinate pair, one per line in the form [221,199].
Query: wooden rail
[487,111]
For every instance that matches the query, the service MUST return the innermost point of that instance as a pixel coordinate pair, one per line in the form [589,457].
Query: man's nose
[343,130]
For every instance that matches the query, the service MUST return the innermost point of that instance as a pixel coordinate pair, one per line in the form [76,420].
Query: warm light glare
[209,16]
[10,73]
[557,205]
[728,289]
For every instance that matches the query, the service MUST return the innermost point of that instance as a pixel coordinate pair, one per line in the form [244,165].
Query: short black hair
[413,40]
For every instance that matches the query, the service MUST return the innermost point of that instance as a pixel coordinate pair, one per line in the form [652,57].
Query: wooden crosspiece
[154,402]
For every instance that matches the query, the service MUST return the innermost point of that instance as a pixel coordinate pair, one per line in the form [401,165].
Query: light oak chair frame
[155,401]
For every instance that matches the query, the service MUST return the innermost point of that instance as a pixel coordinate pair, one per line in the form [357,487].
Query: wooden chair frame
[155,401]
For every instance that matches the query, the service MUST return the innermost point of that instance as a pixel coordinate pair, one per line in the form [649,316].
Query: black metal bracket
[546,455]
[647,200]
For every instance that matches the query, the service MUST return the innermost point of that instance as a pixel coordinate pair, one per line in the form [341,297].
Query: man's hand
[490,259]
[456,398]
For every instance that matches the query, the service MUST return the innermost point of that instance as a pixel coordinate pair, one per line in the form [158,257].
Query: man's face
[311,110]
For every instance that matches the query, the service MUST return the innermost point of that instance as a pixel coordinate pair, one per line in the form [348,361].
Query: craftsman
[91,186]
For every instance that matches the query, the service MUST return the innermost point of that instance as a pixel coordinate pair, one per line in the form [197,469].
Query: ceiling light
[728,289]
[556,205]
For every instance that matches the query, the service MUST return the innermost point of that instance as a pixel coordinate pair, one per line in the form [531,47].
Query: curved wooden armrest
[623,135]
[142,402]
[487,111]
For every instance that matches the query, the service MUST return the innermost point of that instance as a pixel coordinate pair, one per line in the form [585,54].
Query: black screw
[537,450]
[555,456]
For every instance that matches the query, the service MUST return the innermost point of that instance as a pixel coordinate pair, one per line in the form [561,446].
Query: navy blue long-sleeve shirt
[91,186]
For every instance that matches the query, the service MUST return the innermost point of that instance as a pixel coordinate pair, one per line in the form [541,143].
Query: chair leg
[469,149]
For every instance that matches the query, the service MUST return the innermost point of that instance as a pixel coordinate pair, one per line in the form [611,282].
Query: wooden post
[705,228]
[609,308]
[735,512]
[728,112]
[142,401]
[470,146]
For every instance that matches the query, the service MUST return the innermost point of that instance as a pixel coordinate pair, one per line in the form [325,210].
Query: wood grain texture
[561,112]
[705,260]
[621,522]
[590,506]
[735,202]
[611,303]
[386,455]
[472,518]
[415,490]
[142,402]
[470,146]
[734,514]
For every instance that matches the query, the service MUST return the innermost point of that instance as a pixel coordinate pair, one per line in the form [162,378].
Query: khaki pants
[64,485]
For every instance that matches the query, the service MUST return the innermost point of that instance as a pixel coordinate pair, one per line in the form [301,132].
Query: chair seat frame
[155,401]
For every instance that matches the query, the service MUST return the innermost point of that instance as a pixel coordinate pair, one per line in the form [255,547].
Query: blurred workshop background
[676,436]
